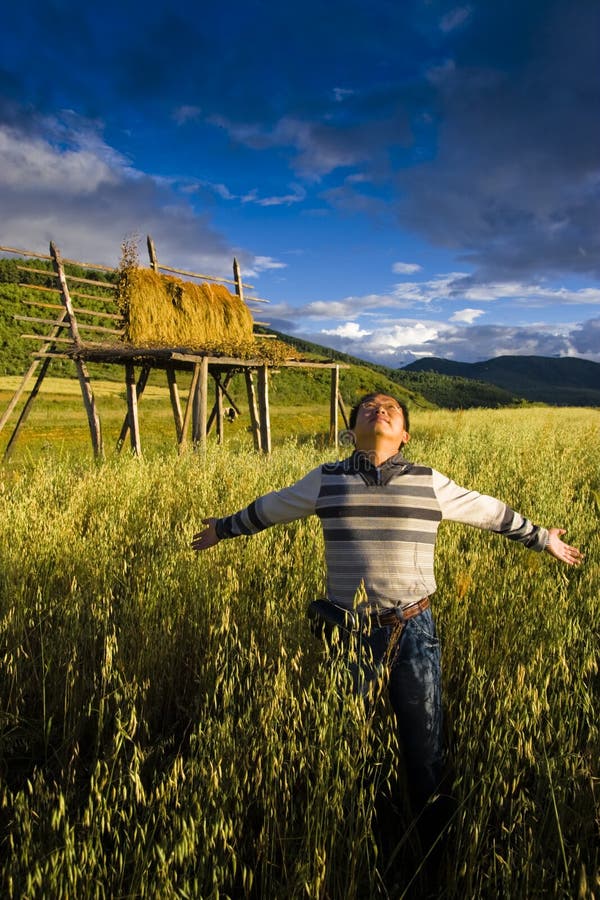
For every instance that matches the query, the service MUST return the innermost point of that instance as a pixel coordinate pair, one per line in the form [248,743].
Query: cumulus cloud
[468,316]
[60,180]
[398,342]
[514,185]
[348,330]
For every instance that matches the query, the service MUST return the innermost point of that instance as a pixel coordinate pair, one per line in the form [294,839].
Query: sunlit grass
[170,728]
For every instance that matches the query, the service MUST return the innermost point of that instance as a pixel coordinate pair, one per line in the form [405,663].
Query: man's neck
[378,453]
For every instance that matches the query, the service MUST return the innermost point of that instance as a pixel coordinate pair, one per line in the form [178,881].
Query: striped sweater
[380,524]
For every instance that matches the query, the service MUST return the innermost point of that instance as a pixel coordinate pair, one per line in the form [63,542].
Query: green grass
[170,728]
[299,405]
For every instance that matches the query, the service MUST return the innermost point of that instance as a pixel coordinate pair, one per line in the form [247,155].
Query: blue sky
[400,179]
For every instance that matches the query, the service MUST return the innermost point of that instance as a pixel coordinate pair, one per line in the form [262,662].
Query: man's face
[382,417]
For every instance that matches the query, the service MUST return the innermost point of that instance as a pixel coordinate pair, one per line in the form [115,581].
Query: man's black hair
[371,396]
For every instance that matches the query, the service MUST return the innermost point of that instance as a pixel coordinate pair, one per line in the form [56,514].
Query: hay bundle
[164,311]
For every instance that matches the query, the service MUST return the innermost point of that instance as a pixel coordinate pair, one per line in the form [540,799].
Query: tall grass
[169,726]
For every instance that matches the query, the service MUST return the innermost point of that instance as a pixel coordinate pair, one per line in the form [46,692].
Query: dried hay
[162,311]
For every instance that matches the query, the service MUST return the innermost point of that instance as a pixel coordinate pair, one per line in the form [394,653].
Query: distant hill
[447,391]
[563,381]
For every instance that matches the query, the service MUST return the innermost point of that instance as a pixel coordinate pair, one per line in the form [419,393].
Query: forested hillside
[561,381]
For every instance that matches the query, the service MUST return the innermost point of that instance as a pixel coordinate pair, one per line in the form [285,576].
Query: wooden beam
[199,275]
[116,317]
[343,410]
[27,408]
[44,337]
[263,409]
[333,405]
[97,328]
[224,385]
[50,274]
[200,406]
[67,262]
[25,253]
[175,403]
[48,290]
[139,390]
[132,409]
[46,349]
[219,410]
[237,278]
[254,420]
[90,408]
[82,373]
[189,405]
[152,254]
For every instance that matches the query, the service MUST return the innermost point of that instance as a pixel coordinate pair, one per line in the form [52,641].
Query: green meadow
[170,727]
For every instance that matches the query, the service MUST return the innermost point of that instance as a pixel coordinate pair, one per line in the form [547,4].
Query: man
[380,515]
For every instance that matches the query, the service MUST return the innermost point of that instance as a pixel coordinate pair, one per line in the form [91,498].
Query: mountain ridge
[559,381]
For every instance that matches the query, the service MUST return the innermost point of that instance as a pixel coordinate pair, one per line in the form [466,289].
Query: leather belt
[399,614]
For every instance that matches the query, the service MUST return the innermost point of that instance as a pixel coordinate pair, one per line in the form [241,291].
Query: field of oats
[170,727]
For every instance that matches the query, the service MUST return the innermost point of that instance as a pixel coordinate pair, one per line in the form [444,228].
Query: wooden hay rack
[64,340]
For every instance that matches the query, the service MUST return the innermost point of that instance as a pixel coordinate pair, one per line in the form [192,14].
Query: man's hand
[555,547]
[202,540]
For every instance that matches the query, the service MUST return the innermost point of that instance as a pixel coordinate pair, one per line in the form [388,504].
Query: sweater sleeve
[471,508]
[294,502]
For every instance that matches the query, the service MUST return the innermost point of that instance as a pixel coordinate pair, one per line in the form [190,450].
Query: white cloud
[450,287]
[396,343]
[349,330]
[466,316]
[296,194]
[262,264]
[34,164]
[60,180]
[402,268]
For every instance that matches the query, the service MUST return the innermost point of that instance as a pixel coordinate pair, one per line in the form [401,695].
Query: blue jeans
[414,685]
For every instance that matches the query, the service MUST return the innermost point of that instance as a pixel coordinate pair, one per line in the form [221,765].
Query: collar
[361,461]
[373,475]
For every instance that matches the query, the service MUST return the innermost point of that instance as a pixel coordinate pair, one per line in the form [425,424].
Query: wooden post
[26,409]
[254,421]
[237,277]
[139,390]
[333,405]
[31,370]
[152,254]
[223,385]
[263,409]
[82,373]
[343,410]
[132,408]
[175,404]
[219,410]
[189,405]
[200,406]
